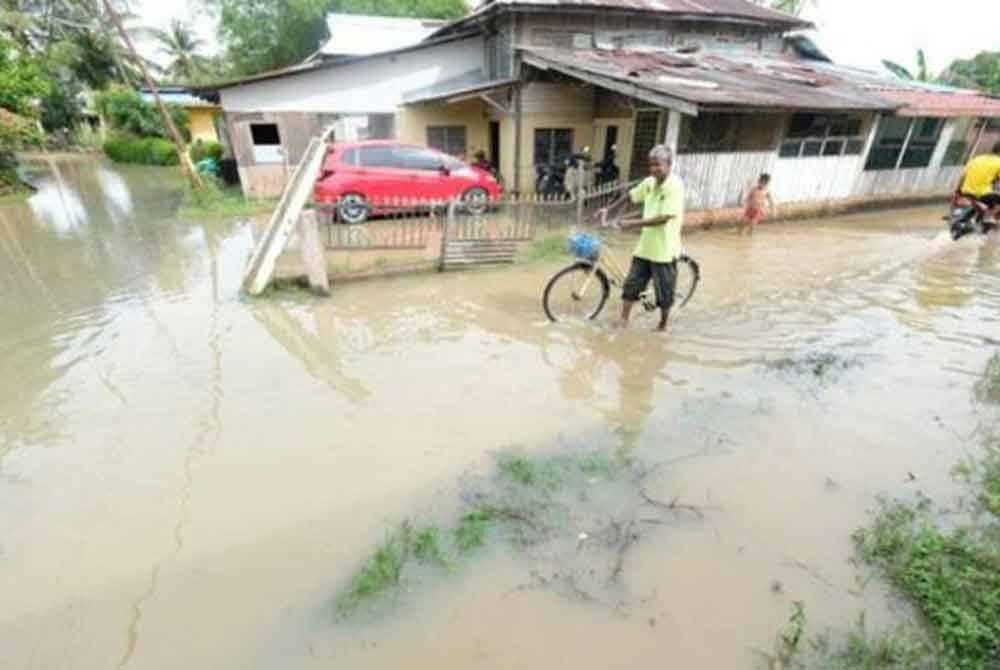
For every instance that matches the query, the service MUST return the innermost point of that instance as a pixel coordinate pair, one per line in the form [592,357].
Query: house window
[888,144]
[904,143]
[553,145]
[447,139]
[647,129]
[727,132]
[826,135]
[266,143]
[961,143]
[923,142]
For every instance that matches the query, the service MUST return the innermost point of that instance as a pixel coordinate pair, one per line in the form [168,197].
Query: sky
[854,32]
[863,32]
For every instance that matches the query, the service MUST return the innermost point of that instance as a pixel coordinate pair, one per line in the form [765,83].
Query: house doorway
[495,143]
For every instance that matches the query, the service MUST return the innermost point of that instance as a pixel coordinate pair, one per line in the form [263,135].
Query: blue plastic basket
[584,246]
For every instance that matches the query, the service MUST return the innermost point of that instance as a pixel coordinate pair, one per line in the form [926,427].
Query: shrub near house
[139,134]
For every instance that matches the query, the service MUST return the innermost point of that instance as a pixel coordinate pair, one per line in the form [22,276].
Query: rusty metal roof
[943,104]
[720,79]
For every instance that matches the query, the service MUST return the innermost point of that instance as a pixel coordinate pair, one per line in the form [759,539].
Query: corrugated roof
[943,104]
[361,35]
[722,79]
[708,10]
[176,95]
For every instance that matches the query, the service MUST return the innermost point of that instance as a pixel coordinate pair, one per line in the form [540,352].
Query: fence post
[580,194]
[445,226]
[312,254]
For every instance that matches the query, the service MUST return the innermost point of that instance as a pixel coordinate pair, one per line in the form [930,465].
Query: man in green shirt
[662,198]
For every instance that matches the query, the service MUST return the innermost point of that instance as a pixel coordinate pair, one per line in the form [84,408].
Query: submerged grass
[518,502]
[950,575]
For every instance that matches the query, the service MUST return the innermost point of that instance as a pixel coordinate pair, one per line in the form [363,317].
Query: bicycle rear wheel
[578,292]
[688,276]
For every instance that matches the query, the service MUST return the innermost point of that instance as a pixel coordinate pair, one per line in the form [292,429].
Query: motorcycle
[607,172]
[550,180]
[967,217]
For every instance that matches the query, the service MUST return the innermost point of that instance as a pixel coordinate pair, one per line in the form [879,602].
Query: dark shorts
[991,200]
[664,276]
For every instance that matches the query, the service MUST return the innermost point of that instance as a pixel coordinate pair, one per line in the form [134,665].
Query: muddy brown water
[187,478]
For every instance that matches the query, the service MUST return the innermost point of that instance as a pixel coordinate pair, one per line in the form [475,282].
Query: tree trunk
[182,153]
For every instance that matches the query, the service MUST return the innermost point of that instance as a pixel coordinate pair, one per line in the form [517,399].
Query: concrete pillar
[673,130]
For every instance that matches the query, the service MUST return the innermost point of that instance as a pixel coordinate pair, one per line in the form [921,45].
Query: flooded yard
[189,478]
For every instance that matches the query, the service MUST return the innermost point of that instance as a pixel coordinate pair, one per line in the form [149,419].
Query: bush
[201,150]
[123,148]
[126,111]
[17,132]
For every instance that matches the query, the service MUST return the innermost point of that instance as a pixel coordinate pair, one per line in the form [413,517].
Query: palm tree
[181,46]
[922,73]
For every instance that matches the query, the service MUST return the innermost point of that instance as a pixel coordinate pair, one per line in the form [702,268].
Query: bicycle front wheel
[578,292]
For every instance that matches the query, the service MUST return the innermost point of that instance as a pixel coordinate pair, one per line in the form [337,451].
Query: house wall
[371,85]
[412,122]
[296,130]
[546,105]
[202,124]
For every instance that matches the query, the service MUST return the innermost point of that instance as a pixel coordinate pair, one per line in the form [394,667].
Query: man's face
[660,170]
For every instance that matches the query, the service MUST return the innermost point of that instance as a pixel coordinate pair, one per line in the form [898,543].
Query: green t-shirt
[660,244]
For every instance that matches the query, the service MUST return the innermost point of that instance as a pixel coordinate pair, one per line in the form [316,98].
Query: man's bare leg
[664,315]
[626,312]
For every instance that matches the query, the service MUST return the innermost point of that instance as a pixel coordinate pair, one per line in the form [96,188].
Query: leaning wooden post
[182,153]
[313,256]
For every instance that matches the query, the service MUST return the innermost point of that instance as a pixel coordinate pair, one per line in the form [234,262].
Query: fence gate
[489,238]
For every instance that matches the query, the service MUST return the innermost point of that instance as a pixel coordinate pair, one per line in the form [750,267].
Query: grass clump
[861,650]
[214,201]
[952,577]
[427,546]
[470,533]
[548,248]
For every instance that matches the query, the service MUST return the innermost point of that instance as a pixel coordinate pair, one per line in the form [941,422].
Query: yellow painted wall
[412,122]
[203,124]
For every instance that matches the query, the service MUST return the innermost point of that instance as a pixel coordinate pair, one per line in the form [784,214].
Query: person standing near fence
[661,196]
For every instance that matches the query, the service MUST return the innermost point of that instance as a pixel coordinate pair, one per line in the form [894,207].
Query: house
[204,115]
[733,86]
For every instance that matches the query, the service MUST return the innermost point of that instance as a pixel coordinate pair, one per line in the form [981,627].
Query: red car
[363,178]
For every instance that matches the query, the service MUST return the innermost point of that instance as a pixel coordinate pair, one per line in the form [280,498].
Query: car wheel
[352,209]
[476,201]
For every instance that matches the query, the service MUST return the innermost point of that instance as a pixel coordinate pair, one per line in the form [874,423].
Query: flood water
[187,478]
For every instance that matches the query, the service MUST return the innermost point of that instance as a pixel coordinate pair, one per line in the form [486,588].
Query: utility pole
[182,153]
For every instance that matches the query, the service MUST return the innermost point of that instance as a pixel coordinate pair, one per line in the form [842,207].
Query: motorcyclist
[980,183]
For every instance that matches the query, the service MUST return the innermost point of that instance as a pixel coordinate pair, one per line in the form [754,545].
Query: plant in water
[988,388]
[543,506]
[952,577]
[861,650]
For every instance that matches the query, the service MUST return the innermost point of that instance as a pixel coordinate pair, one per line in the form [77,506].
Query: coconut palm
[921,73]
[180,44]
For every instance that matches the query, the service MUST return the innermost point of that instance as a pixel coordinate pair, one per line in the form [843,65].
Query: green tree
[180,44]
[22,83]
[982,71]
[269,34]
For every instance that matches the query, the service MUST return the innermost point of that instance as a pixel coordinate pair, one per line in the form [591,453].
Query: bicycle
[598,265]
